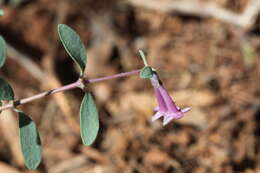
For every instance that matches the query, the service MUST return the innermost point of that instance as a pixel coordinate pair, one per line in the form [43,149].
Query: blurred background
[206,52]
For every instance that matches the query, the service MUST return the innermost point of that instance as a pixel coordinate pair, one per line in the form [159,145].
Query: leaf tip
[2,51]
[6,91]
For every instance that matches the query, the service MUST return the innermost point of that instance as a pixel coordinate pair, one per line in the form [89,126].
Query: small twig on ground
[202,9]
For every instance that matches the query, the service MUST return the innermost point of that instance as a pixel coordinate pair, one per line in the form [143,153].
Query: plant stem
[112,76]
[73,85]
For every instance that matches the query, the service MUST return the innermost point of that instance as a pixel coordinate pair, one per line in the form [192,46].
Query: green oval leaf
[73,45]
[89,121]
[2,51]
[6,91]
[146,72]
[0,105]
[30,141]
[1,12]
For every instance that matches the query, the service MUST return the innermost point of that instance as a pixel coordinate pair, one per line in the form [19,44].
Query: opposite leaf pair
[89,120]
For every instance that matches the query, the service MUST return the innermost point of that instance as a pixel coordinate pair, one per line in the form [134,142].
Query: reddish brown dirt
[204,63]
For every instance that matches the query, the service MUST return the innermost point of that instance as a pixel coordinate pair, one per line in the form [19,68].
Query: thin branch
[112,76]
[202,9]
[40,95]
[71,86]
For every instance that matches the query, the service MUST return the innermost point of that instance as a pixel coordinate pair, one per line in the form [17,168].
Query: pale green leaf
[1,12]
[30,141]
[0,105]
[248,53]
[146,72]
[89,121]
[2,51]
[73,45]
[6,92]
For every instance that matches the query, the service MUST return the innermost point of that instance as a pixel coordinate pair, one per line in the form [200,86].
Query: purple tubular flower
[166,106]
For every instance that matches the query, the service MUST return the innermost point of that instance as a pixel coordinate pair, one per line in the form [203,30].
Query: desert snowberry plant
[89,117]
